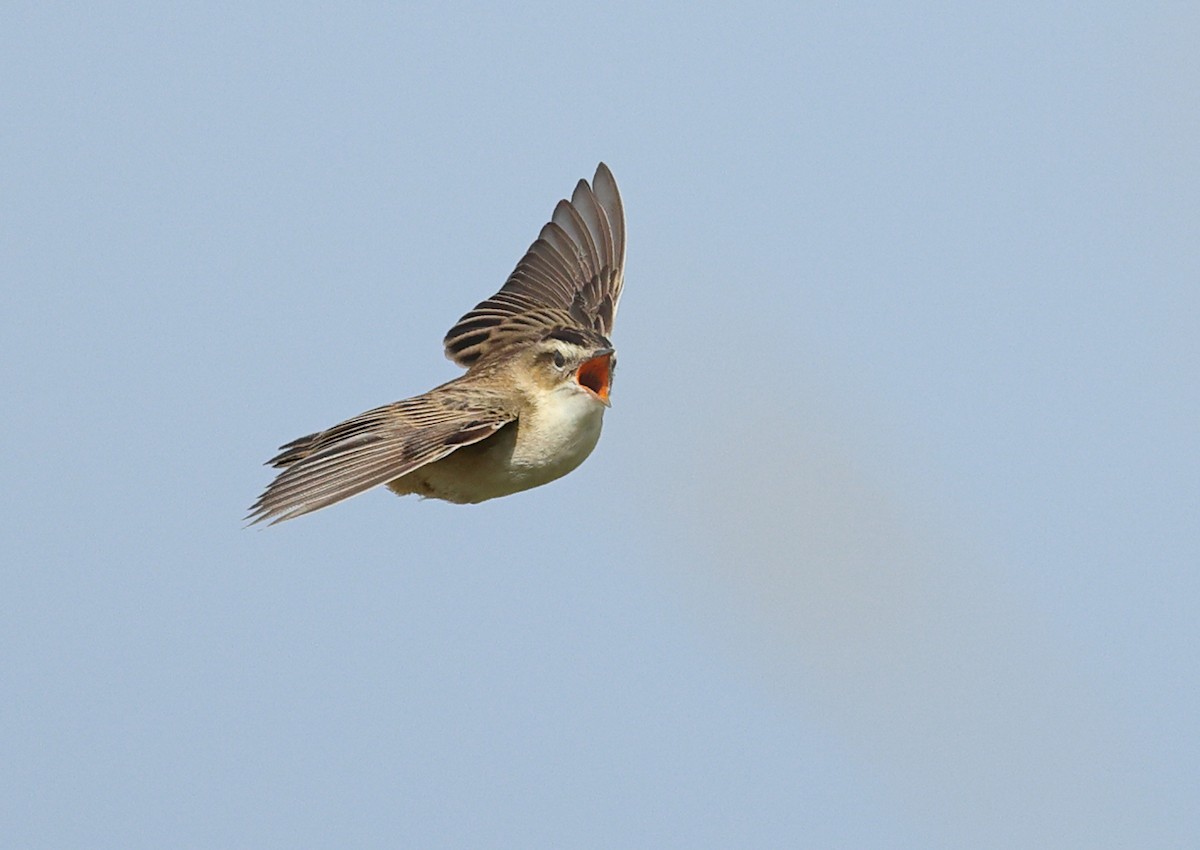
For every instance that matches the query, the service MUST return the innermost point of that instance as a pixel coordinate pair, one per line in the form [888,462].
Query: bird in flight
[539,363]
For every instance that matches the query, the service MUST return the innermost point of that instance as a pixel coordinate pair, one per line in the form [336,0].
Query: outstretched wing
[376,447]
[572,274]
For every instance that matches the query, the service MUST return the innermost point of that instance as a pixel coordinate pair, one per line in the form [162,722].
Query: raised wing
[376,447]
[572,274]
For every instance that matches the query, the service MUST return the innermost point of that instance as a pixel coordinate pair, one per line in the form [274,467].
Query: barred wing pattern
[571,275]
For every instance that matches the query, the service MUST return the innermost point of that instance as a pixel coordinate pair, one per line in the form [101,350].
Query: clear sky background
[893,536]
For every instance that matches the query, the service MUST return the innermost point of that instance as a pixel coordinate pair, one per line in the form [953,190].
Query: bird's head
[571,360]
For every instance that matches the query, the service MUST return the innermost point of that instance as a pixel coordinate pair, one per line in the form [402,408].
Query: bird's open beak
[596,375]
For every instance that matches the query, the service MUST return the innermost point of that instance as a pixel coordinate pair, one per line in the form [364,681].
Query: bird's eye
[559,360]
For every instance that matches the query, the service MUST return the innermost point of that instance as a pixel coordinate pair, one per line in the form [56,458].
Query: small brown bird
[529,409]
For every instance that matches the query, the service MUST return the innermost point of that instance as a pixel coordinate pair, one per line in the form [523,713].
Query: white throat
[559,432]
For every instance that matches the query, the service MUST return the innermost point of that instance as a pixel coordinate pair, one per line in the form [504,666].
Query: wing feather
[376,447]
[572,273]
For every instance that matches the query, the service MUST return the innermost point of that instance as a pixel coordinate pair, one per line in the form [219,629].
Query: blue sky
[891,539]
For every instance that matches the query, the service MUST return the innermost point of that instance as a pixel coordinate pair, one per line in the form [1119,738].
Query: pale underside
[536,449]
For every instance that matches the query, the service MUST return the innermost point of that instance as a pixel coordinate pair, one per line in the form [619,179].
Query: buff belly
[535,450]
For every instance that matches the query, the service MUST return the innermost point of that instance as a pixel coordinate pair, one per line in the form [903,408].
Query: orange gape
[596,375]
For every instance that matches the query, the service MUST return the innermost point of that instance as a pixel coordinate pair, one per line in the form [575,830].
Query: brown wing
[572,274]
[376,447]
